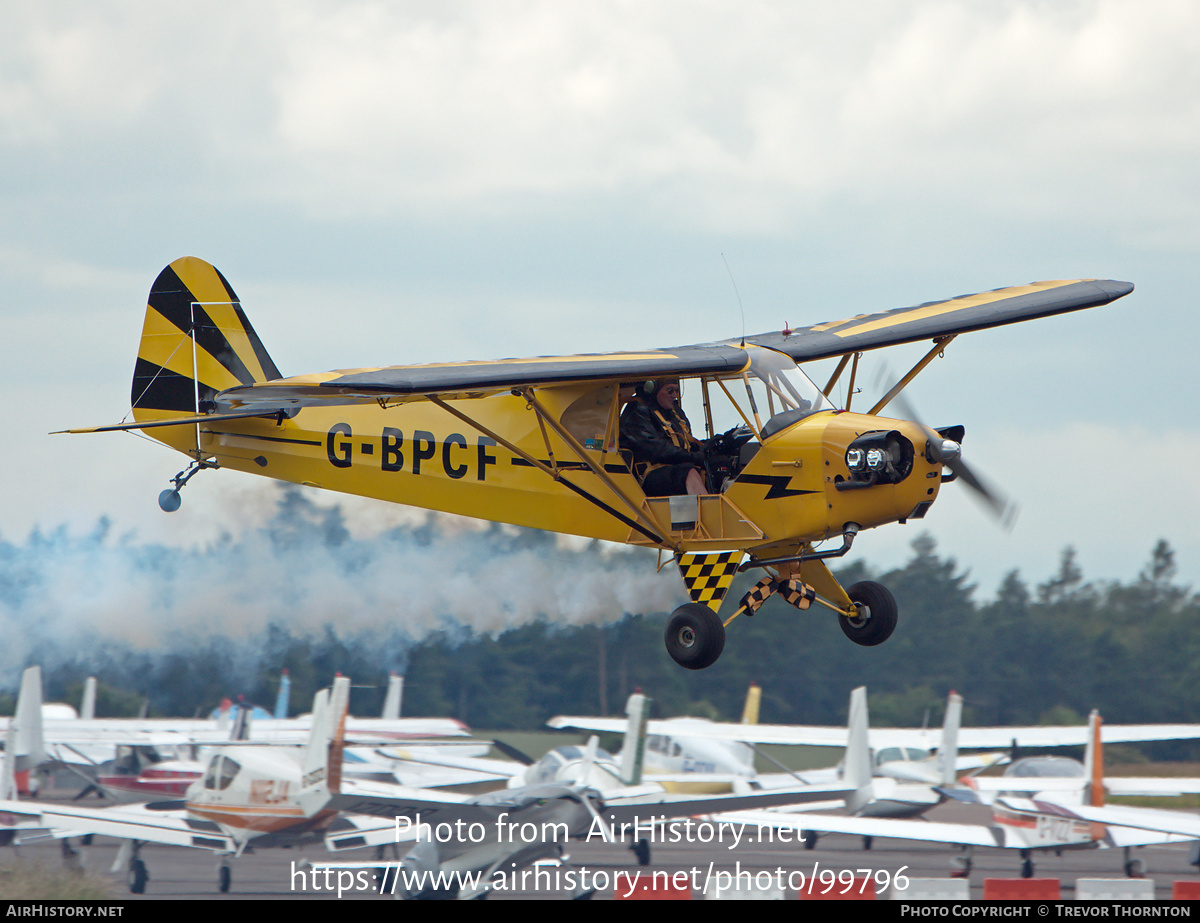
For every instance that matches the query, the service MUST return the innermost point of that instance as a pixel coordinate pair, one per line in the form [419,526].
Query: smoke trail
[62,596]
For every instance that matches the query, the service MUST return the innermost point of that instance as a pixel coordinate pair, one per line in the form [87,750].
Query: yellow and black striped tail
[708,576]
[196,341]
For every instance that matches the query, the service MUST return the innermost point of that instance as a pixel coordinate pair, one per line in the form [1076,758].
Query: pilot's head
[666,393]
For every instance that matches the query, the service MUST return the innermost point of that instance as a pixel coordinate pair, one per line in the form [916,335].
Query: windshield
[771,394]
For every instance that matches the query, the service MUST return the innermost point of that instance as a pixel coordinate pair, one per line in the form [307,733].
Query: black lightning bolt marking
[778,484]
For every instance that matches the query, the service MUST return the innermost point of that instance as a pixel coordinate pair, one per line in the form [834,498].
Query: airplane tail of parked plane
[753,701]
[633,752]
[321,762]
[29,746]
[391,702]
[284,694]
[947,755]
[1093,763]
[87,708]
[858,768]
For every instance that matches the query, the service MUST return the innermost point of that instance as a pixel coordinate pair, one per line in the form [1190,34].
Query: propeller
[948,452]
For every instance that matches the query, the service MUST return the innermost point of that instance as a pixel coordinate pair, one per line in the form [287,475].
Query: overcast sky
[388,183]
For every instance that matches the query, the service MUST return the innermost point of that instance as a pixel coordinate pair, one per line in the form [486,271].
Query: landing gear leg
[138,873]
[169,500]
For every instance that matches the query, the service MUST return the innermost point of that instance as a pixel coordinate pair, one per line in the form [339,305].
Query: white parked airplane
[572,792]
[1031,811]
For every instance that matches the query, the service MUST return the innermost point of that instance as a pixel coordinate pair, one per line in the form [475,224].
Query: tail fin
[1093,763]
[87,708]
[633,752]
[948,751]
[753,700]
[195,342]
[339,707]
[391,702]
[281,698]
[29,747]
[858,768]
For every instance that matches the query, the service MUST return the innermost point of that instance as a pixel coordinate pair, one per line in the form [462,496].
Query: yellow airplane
[537,442]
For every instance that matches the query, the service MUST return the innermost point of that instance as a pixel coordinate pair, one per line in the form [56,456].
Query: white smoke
[62,595]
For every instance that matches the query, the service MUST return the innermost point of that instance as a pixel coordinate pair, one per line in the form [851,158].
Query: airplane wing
[926,831]
[464,380]
[1180,823]
[933,831]
[1148,786]
[625,807]
[924,738]
[942,318]
[136,822]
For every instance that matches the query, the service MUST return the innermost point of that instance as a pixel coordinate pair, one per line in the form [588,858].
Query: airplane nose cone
[950,450]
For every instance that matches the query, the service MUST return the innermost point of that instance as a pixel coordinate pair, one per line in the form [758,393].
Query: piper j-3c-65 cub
[537,442]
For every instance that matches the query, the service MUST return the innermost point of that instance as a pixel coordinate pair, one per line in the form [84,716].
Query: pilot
[666,458]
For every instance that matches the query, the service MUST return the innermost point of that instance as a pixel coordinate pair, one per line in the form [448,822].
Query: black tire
[138,876]
[879,614]
[224,878]
[1027,868]
[809,839]
[641,849]
[695,636]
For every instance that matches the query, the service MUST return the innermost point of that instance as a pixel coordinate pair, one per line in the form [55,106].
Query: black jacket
[654,437]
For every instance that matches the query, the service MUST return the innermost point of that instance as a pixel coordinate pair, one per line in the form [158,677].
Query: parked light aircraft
[572,792]
[1029,812]
[45,734]
[914,740]
[265,795]
[536,442]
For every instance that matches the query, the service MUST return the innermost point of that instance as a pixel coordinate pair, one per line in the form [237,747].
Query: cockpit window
[770,395]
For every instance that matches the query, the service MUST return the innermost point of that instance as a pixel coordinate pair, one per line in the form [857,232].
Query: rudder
[196,341]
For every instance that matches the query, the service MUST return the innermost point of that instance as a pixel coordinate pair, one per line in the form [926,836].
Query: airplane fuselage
[419,454]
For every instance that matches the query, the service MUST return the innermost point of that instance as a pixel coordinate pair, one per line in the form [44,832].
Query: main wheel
[877,614]
[695,636]
[138,876]
[224,878]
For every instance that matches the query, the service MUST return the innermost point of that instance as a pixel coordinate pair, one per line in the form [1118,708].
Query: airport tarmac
[279,873]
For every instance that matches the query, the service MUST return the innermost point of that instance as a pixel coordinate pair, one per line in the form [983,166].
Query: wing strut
[939,345]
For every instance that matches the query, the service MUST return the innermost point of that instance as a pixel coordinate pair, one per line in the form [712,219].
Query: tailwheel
[695,636]
[877,614]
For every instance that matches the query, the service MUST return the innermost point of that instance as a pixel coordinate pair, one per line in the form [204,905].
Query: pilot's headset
[649,389]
